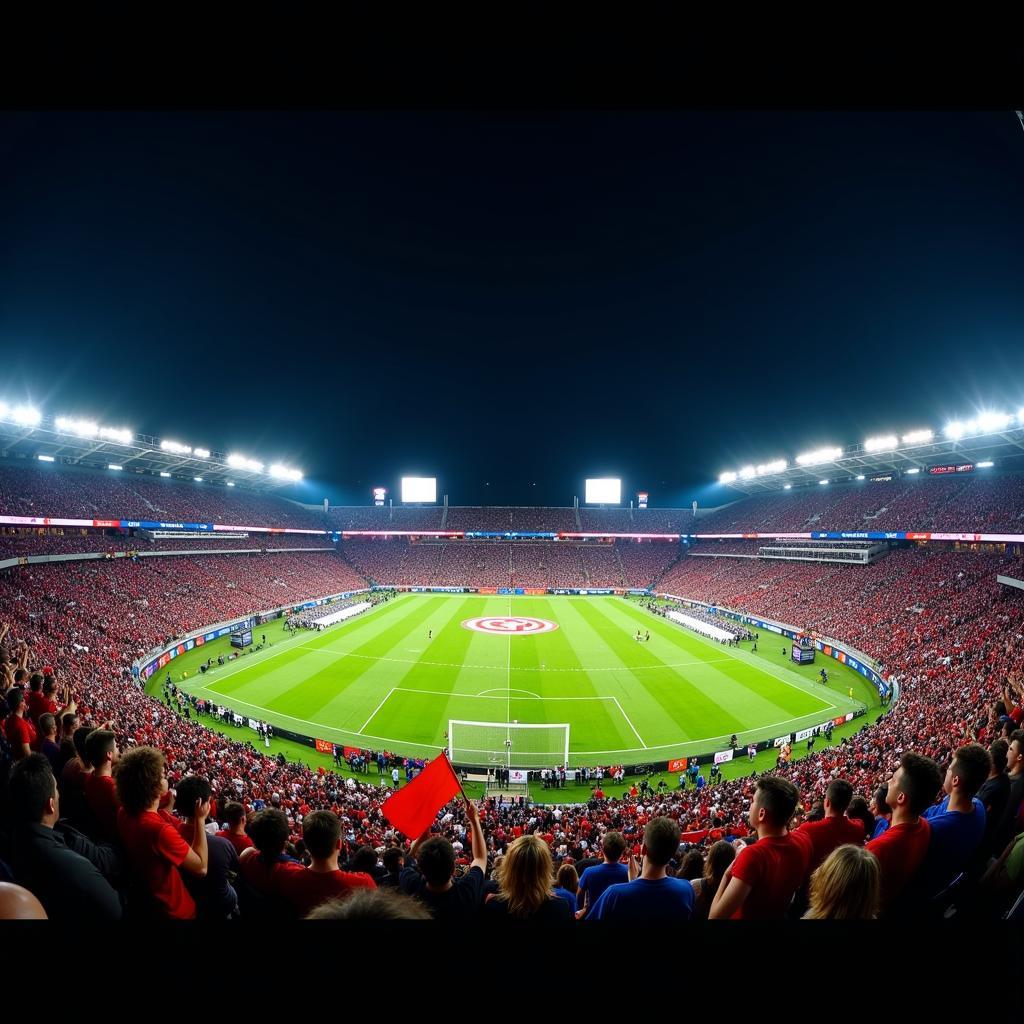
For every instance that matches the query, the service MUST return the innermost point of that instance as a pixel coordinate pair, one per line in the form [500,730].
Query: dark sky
[513,302]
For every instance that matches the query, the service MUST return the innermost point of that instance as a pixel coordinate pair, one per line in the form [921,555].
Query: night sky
[513,302]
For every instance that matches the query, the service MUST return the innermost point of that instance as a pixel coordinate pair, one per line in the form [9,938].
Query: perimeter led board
[603,492]
[419,489]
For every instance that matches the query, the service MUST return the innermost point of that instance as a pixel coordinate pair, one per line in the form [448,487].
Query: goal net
[510,745]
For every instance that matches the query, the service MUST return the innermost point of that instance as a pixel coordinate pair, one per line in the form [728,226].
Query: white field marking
[502,689]
[508,684]
[378,707]
[267,715]
[482,696]
[629,723]
[523,668]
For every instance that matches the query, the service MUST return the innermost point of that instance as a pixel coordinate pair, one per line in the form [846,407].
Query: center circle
[509,625]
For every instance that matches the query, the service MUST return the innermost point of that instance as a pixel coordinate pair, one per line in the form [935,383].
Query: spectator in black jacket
[66,876]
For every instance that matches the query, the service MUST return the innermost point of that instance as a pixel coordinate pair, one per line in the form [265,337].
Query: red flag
[413,809]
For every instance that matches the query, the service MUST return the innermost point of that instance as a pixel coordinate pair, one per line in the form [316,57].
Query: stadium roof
[132,453]
[857,460]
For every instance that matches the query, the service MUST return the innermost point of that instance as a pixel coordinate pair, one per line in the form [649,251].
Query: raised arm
[729,898]
[479,844]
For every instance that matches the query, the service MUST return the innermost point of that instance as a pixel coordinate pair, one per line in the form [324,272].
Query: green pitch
[378,681]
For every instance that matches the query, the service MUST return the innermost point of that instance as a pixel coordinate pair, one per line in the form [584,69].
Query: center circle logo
[509,625]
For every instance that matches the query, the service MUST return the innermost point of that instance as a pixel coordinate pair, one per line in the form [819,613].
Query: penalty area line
[629,723]
[362,728]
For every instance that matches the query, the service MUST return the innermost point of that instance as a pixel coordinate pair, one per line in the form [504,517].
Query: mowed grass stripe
[783,691]
[714,698]
[424,716]
[664,706]
[599,724]
[337,690]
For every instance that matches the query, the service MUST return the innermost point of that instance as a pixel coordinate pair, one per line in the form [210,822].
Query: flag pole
[444,754]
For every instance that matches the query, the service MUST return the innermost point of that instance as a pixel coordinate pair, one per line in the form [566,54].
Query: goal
[509,744]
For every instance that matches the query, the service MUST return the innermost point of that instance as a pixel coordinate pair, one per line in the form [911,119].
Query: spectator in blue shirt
[595,880]
[957,824]
[651,894]
[567,884]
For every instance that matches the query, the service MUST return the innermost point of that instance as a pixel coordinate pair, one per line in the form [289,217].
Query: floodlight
[242,462]
[918,437]
[881,444]
[726,478]
[45,458]
[25,416]
[987,464]
[175,448]
[914,470]
[860,476]
[3,410]
[955,430]
[165,474]
[777,466]
[80,428]
[110,465]
[747,472]
[822,482]
[284,473]
[121,436]
[787,487]
[231,483]
[820,455]
[201,453]
[198,479]
[989,422]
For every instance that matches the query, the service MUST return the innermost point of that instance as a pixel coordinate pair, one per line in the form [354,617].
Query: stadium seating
[935,618]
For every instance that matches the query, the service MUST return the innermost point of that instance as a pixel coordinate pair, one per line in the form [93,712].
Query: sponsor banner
[324,746]
[152,524]
[487,590]
[535,591]
[724,755]
[518,775]
[106,522]
[349,751]
[780,741]
[506,533]
[804,734]
[849,716]
[251,722]
[678,765]
[839,721]
[44,521]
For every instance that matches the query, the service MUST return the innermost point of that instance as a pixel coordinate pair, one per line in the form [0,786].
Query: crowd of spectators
[936,620]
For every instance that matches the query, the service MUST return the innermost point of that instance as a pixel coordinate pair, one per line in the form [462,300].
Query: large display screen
[419,488]
[962,467]
[603,492]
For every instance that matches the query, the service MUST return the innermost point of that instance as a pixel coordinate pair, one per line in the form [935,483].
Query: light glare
[881,444]
[175,448]
[918,437]
[818,456]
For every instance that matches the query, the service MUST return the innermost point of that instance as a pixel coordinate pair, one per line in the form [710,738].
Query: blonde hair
[525,879]
[846,887]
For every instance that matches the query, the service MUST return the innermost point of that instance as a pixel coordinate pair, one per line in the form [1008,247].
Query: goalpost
[508,744]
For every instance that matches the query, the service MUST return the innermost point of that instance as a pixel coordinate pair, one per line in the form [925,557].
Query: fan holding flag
[431,862]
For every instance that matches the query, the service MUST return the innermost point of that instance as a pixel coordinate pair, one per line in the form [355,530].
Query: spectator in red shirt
[19,730]
[835,828]
[323,879]
[100,792]
[152,844]
[759,885]
[35,701]
[234,817]
[902,847]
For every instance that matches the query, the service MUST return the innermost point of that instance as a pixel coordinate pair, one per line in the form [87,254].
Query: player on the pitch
[430,634]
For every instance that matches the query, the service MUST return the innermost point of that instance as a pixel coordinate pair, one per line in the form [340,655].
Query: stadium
[227,697]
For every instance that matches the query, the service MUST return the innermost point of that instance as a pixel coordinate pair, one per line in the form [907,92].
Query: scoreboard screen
[243,638]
